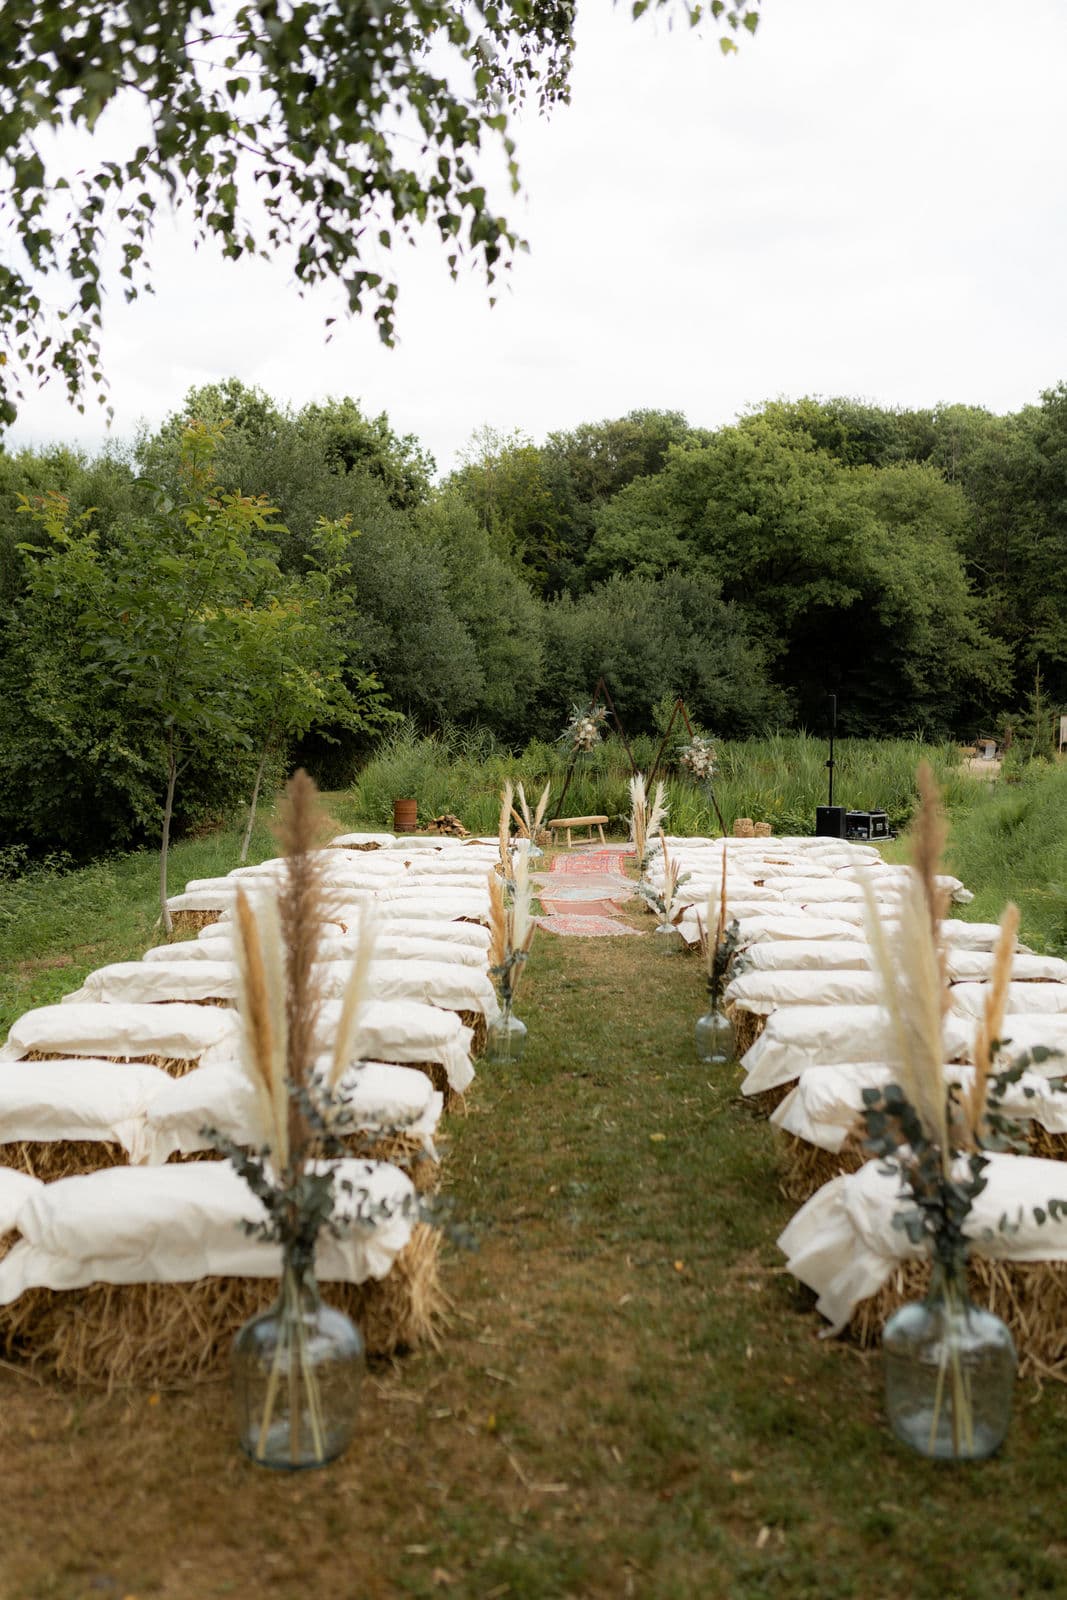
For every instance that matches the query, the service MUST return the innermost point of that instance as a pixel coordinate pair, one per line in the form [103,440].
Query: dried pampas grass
[988,1034]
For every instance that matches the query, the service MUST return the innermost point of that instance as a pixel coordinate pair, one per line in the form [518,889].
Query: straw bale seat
[559,825]
[193,921]
[151,1335]
[173,1037]
[842,1244]
[142,1276]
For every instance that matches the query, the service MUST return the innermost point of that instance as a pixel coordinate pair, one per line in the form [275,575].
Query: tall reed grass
[779,779]
[1010,843]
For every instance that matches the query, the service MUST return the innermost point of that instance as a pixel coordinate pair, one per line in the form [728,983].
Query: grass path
[631,1399]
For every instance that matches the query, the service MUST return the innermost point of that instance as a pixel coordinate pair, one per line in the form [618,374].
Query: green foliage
[1010,843]
[258,118]
[779,780]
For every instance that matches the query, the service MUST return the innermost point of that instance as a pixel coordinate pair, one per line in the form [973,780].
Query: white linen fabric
[827,1102]
[378,1096]
[762,992]
[333,946]
[15,1188]
[964,964]
[92,1028]
[969,999]
[792,924]
[843,1244]
[178,1224]
[797,955]
[100,1101]
[798,1037]
[399,1031]
[435,983]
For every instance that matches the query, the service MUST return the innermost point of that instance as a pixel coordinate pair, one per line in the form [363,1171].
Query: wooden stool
[580,822]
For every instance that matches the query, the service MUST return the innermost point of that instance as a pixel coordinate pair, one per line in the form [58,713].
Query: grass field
[631,1399]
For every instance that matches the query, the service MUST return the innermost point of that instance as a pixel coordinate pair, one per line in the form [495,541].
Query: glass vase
[505,1038]
[715,1038]
[949,1372]
[668,938]
[297,1371]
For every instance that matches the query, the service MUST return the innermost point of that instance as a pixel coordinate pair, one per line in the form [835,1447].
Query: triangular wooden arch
[679,708]
[601,696]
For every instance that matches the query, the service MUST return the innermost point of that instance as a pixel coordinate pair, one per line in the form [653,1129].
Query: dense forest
[248,584]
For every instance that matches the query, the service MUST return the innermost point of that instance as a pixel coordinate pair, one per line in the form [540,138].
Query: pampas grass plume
[355,995]
[261,1003]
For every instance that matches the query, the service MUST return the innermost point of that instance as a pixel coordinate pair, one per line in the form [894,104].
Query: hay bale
[747,1026]
[193,921]
[115,1336]
[1031,1296]
[762,830]
[475,1021]
[174,1066]
[52,1159]
[805,1167]
[744,828]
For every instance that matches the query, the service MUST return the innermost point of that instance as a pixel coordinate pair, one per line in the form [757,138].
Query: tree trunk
[246,841]
[168,809]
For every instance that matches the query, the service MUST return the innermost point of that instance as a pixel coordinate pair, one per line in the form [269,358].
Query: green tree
[293,664]
[300,113]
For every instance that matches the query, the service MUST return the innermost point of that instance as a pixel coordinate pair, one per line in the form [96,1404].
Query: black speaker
[830,822]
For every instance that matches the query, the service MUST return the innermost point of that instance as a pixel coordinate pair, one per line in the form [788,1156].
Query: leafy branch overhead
[318,133]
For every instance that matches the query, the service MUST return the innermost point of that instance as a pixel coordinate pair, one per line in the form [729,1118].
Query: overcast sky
[868,200]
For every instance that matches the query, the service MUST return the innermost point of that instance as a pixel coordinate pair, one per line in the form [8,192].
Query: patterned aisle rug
[587,906]
[585,927]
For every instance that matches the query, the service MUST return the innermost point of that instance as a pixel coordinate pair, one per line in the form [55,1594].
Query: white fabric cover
[964,964]
[92,1028]
[762,992]
[390,1030]
[435,983]
[797,955]
[104,1101]
[333,946]
[827,1102]
[1024,999]
[378,1096]
[791,924]
[843,1245]
[15,1188]
[390,926]
[971,935]
[178,1224]
[798,1037]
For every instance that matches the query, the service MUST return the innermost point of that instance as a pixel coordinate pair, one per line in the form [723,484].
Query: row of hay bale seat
[806,1005]
[105,1098]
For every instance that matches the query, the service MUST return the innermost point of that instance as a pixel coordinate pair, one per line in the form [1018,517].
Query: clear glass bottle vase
[949,1372]
[715,1043]
[297,1371]
[505,1037]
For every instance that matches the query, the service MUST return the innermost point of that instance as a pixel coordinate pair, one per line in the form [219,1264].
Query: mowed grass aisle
[631,1399]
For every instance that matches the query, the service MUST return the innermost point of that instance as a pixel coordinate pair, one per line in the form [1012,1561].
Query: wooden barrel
[405,816]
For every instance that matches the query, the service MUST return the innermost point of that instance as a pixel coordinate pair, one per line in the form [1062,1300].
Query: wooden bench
[559,823]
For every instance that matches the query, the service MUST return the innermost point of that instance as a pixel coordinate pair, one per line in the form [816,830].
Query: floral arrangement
[698,758]
[663,900]
[300,1100]
[646,817]
[531,825]
[584,730]
[511,924]
[927,1133]
[719,949]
